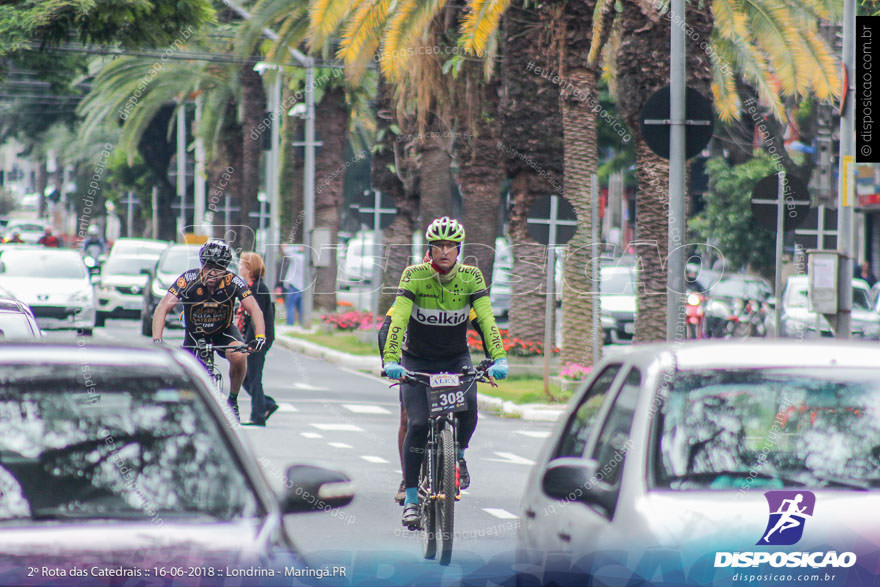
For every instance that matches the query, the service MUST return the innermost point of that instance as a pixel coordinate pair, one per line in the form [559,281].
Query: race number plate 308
[444,380]
[447,400]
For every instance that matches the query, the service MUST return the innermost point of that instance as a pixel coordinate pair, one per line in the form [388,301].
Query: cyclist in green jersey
[432,306]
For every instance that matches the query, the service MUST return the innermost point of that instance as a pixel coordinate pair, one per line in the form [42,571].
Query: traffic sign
[795,207]
[656,122]
[551,220]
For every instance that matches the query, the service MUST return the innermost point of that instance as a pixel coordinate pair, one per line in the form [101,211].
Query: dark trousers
[253,384]
[415,399]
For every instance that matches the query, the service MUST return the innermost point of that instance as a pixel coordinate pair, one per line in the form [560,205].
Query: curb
[531,412]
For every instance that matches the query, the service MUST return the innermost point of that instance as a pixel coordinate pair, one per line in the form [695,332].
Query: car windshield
[735,428]
[15,325]
[123,247]
[42,264]
[86,441]
[617,283]
[178,260]
[128,265]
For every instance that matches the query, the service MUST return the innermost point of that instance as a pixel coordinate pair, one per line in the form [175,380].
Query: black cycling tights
[416,401]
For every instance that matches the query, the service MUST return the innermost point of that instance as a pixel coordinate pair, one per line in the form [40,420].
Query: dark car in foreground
[122,461]
[675,463]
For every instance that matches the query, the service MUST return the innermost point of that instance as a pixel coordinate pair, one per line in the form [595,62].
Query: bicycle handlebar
[235,348]
[479,373]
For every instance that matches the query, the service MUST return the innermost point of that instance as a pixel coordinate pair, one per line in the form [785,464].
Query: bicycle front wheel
[445,503]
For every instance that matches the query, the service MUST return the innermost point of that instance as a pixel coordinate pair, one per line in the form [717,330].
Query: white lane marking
[312,435]
[340,445]
[307,387]
[372,459]
[287,408]
[339,427]
[365,409]
[534,433]
[509,457]
[500,513]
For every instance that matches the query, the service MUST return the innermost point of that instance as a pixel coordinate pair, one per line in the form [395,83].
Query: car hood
[737,520]
[859,316]
[616,304]
[141,544]
[58,289]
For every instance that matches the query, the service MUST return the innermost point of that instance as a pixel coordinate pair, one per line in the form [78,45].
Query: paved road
[348,420]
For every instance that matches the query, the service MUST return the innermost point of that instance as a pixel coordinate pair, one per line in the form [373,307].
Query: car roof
[801,280]
[64,353]
[13,305]
[723,354]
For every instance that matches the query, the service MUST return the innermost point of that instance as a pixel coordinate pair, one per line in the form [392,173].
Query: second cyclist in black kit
[208,295]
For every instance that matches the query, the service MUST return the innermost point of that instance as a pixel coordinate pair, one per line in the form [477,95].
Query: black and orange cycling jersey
[206,312]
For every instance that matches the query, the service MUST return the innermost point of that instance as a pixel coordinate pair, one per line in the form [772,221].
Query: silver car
[799,321]
[678,463]
[121,289]
[123,460]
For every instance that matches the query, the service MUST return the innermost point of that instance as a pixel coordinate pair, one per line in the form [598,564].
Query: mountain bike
[205,354]
[439,484]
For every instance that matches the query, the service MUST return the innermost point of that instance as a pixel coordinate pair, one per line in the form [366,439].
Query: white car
[121,289]
[689,463]
[30,231]
[618,298]
[17,321]
[799,321]
[54,283]
[138,246]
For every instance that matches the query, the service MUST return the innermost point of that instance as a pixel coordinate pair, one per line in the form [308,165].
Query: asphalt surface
[347,420]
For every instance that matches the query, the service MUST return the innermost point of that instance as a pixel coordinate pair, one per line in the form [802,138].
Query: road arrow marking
[500,513]
[510,458]
[372,459]
[365,409]
[339,427]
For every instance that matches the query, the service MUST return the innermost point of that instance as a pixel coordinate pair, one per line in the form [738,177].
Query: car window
[796,295]
[617,283]
[40,264]
[15,325]
[861,299]
[770,428]
[89,441]
[577,432]
[614,439]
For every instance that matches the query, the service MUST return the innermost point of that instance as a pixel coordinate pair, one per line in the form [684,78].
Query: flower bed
[351,321]
[514,346]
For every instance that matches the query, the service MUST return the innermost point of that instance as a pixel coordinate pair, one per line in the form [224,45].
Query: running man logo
[789,511]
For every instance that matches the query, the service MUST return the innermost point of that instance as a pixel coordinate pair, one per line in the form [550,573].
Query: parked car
[30,231]
[799,321]
[172,263]
[122,461]
[138,246]
[17,321]
[673,457]
[53,282]
[121,288]
[618,295]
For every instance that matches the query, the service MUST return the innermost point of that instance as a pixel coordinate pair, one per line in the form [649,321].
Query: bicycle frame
[205,353]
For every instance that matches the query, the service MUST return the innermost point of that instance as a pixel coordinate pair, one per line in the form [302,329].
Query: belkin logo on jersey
[440,317]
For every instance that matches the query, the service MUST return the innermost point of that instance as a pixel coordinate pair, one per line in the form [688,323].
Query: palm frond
[362,35]
[825,79]
[731,21]
[726,99]
[393,48]
[479,22]
[773,30]
[598,24]
[325,16]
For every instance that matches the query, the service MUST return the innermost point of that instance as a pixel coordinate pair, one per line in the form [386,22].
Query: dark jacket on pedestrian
[264,300]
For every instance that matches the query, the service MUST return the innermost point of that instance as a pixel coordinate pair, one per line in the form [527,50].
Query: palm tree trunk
[331,125]
[436,195]
[157,150]
[253,102]
[643,68]
[531,146]
[481,173]
[394,172]
[291,188]
[225,173]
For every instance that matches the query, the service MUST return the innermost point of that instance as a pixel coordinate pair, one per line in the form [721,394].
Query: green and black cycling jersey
[207,312]
[433,311]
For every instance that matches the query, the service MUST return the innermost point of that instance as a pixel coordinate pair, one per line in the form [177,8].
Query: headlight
[158,289]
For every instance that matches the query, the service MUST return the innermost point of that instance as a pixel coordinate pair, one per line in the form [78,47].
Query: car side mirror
[574,479]
[311,489]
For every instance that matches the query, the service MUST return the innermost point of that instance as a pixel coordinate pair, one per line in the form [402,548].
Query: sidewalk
[531,412]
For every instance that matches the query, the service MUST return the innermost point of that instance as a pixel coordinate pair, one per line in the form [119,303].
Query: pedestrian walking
[293,283]
[252,269]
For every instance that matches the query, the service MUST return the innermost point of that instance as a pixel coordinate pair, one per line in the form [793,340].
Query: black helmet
[215,252]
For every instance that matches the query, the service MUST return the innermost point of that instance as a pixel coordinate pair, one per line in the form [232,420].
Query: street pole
[181,165]
[676,253]
[780,228]
[155,203]
[199,176]
[550,303]
[847,149]
[595,249]
[273,183]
